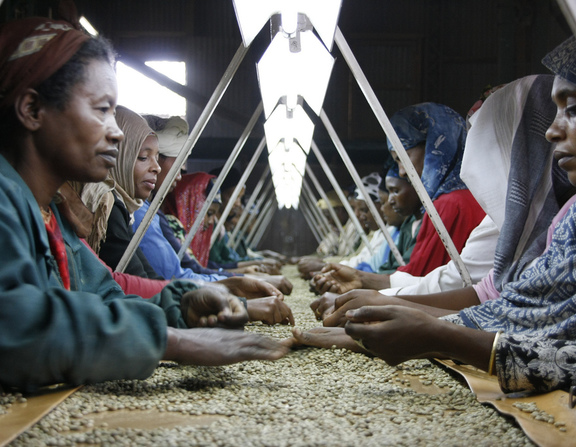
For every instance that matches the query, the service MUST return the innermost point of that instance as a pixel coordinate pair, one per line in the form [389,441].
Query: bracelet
[493,354]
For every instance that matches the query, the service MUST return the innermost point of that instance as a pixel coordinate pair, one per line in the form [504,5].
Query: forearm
[452,300]
[172,341]
[470,346]
[374,281]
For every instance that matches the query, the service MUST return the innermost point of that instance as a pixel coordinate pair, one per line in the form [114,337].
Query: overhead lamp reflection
[253,14]
[289,126]
[306,73]
[88,26]
[287,184]
[287,158]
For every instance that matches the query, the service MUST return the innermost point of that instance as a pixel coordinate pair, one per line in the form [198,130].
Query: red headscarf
[32,50]
[185,202]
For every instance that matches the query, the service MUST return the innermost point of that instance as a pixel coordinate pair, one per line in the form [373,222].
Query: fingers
[287,286]
[328,267]
[325,338]
[343,299]
[267,289]
[289,318]
[234,315]
[257,347]
[371,313]
[270,310]
[282,313]
[335,319]
[315,304]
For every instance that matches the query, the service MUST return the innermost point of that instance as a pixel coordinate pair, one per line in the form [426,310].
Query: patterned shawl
[185,202]
[507,139]
[543,299]
[444,132]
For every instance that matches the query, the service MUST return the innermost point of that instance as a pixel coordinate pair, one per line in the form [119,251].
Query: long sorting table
[310,397]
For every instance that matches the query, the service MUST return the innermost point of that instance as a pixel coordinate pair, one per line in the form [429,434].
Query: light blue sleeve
[381,254]
[160,253]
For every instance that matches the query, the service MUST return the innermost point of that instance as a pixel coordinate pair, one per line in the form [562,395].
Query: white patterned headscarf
[371,183]
[172,133]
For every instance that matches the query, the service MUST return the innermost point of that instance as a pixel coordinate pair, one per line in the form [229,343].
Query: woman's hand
[308,266]
[213,305]
[250,287]
[324,305]
[325,337]
[396,333]
[354,300]
[337,278]
[270,310]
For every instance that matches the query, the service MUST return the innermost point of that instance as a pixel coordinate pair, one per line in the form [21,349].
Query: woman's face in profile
[211,215]
[416,155]
[80,142]
[563,130]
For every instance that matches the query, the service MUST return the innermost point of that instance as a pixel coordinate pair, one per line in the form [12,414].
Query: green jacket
[50,335]
[406,243]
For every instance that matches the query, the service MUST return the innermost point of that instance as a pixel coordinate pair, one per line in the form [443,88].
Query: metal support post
[264,226]
[341,195]
[182,156]
[393,137]
[360,185]
[259,221]
[249,204]
[313,200]
[220,179]
[253,217]
[324,197]
[237,190]
[306,213]
[319,217]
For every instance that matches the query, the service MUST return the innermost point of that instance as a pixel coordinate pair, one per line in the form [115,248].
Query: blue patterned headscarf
[444,132]
[562,60]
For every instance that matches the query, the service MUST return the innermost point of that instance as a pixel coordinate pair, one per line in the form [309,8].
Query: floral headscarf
[444,132]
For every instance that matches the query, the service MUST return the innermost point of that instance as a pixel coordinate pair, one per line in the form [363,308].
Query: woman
[135,177]
[115,200]
[62,317]
[407,214]
[528,194]
[367,261]
[525,335]
[183,205]
[433,136]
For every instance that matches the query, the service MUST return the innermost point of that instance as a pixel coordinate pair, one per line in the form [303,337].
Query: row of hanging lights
[296,67]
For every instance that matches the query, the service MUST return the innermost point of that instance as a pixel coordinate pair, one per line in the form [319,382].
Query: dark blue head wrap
[562,60]
[444,133]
